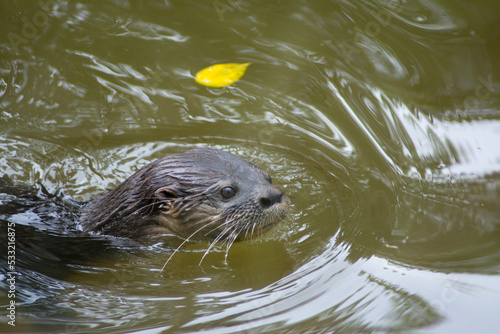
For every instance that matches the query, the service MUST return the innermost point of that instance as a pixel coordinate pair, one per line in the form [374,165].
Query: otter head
[198,194]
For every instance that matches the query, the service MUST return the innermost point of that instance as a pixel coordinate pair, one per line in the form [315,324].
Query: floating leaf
[221,75]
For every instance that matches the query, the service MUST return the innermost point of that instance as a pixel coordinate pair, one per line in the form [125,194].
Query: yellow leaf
[221,75]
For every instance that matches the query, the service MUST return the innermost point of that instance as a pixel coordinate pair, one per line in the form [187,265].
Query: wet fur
[180,195]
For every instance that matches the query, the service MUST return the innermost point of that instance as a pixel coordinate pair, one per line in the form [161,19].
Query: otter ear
[166,196]
[166,193]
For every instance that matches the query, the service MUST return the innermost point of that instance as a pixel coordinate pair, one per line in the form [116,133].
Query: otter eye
[227,192]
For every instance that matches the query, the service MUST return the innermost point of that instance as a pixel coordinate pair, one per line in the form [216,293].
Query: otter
[198,194]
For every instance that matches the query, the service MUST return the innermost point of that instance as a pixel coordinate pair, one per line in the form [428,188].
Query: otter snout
[270,196]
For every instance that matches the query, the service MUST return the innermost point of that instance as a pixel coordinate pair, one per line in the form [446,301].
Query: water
[379,119]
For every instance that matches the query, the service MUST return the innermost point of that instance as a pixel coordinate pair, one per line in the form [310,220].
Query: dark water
[380,119]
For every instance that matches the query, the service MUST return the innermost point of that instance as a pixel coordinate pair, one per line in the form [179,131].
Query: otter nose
[270,196]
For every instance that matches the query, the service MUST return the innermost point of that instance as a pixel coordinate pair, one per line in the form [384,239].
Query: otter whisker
[216,227]
[217,239]
[232,226]
[212,244]
[182,244]
[246,228]
[138,210]
[231,239]
[253,229]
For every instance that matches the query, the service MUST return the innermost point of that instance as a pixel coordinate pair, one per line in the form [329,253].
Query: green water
[380,120]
